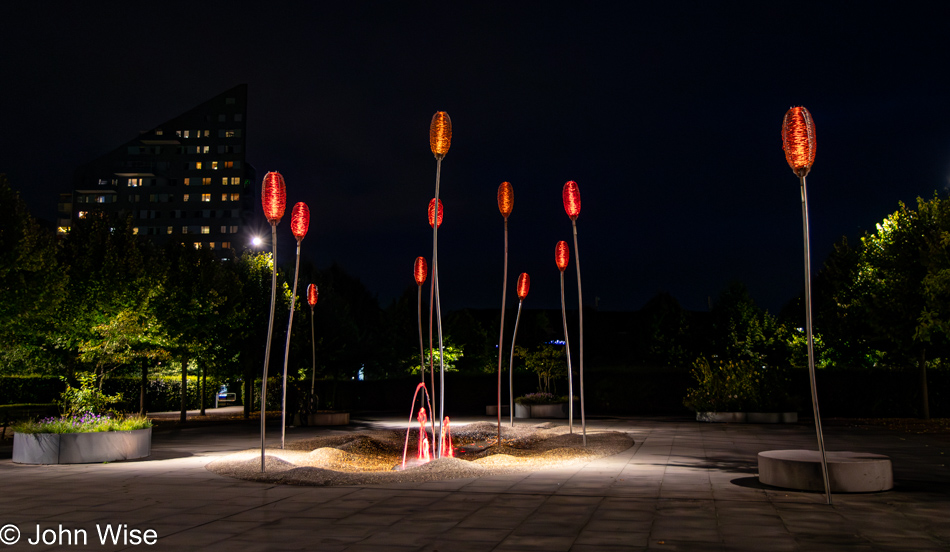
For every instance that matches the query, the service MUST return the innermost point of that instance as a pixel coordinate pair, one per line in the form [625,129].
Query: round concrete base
[848,472]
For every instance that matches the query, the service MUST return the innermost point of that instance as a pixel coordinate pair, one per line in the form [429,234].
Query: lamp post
[506,201]
[312,294]
[571,196]
[274,200]
[562,255]
[798,141]
[440,139]
[524,284]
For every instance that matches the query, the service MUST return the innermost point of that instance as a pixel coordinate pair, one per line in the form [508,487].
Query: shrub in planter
[737,386]
[540,398]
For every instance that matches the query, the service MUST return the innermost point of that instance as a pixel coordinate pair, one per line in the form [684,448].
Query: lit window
[224,181]
[235,180]
[198,165]
[224,197]
[135,182]
[206,198]
[187,182]
[234,229]
[214,165]
[207,134]
[170,229]
[185,135]
[230,134]
[197,245]
[203,149]
[225,245]
[229,164]
[135,230]
[205,229]
[82,214]
[211,245]
[224,229]
[184,197]
[235,197]
[158,132]
[206,181]
[184,229]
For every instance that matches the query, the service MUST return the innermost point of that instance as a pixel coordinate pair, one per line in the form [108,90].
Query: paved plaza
[682,486]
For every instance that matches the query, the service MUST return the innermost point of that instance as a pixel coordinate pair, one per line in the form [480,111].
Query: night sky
[667,114]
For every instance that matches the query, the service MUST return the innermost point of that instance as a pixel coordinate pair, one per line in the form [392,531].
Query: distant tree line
[102,300]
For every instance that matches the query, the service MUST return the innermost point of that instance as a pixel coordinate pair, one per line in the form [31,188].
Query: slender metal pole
[811,344]
[270,332]
[438,306]
[570,374]
[290,324]
[511,370]
[313,341]
[501,331]
[422,351]
[580,316]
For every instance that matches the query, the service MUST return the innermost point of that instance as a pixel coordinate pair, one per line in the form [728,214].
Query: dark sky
[667,114]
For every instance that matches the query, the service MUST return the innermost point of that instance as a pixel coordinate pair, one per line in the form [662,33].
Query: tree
[31,285]
[903,283]
[742,331]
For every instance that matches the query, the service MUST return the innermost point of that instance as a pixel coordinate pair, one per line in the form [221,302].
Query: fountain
[424,443]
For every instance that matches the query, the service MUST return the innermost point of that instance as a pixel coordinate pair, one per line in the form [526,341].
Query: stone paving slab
[684,485]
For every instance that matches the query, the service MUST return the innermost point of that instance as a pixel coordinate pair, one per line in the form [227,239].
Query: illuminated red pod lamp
[562,256]
[420,272]
[299,224]
[506,202]
[273,200]
[524,284]
[312,295]
[571,196]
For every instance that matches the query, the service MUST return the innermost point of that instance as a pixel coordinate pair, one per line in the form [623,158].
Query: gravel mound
[375,457]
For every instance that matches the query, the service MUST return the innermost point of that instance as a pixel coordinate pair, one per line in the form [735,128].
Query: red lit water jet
[423,441]
[446,437]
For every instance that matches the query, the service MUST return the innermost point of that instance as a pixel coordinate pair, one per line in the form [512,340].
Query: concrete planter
[541,410]
[749,417]
[492,410]
[81,448]
[329,418]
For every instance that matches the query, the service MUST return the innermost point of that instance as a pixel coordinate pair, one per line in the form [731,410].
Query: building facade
[186,180]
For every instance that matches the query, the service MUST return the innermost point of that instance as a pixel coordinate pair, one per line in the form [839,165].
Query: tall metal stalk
[511,371]
[438,306]
[570,374]
[270,333]
[580,316]
[501,331]
[290,324]
[811,344]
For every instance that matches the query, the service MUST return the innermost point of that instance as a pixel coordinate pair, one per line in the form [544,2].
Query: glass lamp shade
[300,220]
[562,254]
[312,295]
[432,208]
[420,271]
[440,134]
[524,283]
[274,196]
[506,198]
[571,195]
[798,140]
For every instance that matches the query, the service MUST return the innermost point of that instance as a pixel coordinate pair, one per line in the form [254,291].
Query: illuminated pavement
[683,486]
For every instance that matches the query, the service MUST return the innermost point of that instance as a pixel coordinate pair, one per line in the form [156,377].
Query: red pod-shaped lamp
[420,271]
[440,134]
[798,140]
[432,208]
[300,220]
[506,199]
[524,283]
[562,255]
[274,197]
[572,199]
[312,294]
